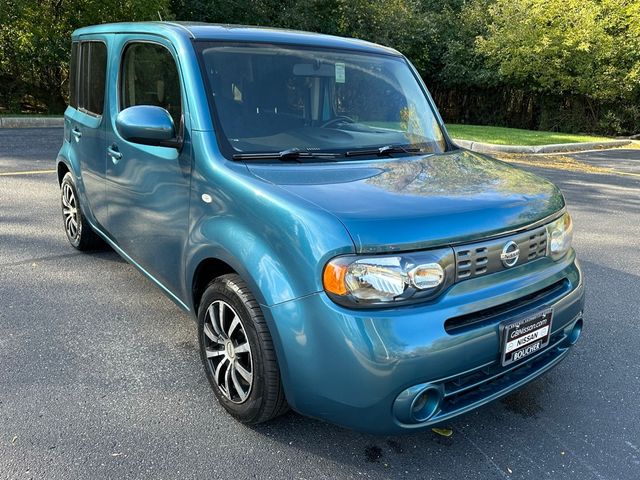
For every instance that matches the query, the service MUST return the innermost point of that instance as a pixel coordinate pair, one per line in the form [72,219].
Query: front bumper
[363,369]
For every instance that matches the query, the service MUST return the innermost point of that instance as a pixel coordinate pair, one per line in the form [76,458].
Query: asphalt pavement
[100,375]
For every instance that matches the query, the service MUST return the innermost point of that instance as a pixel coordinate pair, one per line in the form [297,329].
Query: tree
[400,24]
[560,64]
[586,47]
[35,40]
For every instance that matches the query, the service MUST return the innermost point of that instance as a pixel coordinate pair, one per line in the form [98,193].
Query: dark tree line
[569,65]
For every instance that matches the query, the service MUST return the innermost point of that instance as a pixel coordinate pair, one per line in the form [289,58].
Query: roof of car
[235,33]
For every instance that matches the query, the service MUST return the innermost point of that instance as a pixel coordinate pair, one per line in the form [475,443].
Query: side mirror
[147,124]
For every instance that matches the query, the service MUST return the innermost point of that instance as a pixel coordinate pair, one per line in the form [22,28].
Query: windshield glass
[270,98]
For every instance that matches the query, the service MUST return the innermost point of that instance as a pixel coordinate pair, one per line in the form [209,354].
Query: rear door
[86,126]
[148,186]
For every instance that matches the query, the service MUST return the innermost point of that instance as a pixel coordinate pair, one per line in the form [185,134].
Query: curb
[31,122]
[560,147]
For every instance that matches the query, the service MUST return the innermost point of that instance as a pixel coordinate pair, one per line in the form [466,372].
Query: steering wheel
[338,119]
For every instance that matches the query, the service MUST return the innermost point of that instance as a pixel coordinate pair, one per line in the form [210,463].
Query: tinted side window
[150,77]
[93,70]
[73,73]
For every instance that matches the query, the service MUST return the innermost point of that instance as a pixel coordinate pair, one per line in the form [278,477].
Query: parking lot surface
[100,375]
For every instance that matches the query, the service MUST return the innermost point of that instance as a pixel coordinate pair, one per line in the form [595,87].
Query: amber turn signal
[333,278]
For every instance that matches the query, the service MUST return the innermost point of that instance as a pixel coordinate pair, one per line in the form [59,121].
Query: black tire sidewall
[68,180]
[249,410]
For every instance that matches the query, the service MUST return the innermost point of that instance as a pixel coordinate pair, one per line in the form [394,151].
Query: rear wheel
[237,352]
[79,232]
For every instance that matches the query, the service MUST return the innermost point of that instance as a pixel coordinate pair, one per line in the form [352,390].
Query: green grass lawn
[515,136]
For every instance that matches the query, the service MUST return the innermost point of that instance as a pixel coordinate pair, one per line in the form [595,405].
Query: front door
[148,186]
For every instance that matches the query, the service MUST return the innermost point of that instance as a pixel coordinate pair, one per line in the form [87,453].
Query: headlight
[388,279]
[560,234]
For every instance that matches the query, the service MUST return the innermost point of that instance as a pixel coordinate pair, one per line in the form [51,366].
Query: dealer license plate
[526,336]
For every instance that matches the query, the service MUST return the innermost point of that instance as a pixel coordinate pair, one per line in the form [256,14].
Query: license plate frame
[525,336]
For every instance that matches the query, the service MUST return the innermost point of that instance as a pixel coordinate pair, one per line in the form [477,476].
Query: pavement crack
[488,459]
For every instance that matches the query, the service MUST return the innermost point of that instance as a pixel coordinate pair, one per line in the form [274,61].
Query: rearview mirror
[147,124]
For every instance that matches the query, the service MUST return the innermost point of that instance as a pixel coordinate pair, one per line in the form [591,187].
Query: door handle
[115,155]
[76,134]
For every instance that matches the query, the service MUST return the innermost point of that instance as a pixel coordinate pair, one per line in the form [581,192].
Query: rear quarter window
[91,78]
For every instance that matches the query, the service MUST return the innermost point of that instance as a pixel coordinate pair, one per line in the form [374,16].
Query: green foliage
[580,57]
[397,23]
[458,63]
[571,65]
[35,39]
[569,46]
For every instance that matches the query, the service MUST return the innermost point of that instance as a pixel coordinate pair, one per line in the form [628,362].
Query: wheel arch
[211,261]
[205,272]
[62,169]
[222,245]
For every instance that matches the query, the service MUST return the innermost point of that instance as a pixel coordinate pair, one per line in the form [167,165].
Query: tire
[238,355]
[79,233]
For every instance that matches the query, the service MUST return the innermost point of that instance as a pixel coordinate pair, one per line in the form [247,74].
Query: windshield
[270,98]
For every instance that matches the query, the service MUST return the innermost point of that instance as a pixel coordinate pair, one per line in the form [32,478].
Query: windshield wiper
[382,151]
[293,154]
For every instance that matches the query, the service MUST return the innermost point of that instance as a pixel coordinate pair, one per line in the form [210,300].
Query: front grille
[537,244]
[471,262]
[482,258]
[477,319]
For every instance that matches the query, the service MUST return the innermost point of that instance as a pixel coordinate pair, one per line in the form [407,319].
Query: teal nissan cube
[299,195]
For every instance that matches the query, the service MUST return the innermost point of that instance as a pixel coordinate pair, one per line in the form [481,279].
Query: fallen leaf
[445,432]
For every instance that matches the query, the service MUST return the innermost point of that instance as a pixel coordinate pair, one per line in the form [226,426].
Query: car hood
[417,202]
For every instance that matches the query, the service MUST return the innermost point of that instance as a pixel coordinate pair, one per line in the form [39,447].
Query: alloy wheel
[228,351]
[70,212]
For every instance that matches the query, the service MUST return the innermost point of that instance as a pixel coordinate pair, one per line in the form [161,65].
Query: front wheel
[237,352]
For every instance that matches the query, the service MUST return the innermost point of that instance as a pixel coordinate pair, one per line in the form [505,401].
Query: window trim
[106,77]
[120,91]
[73,73]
